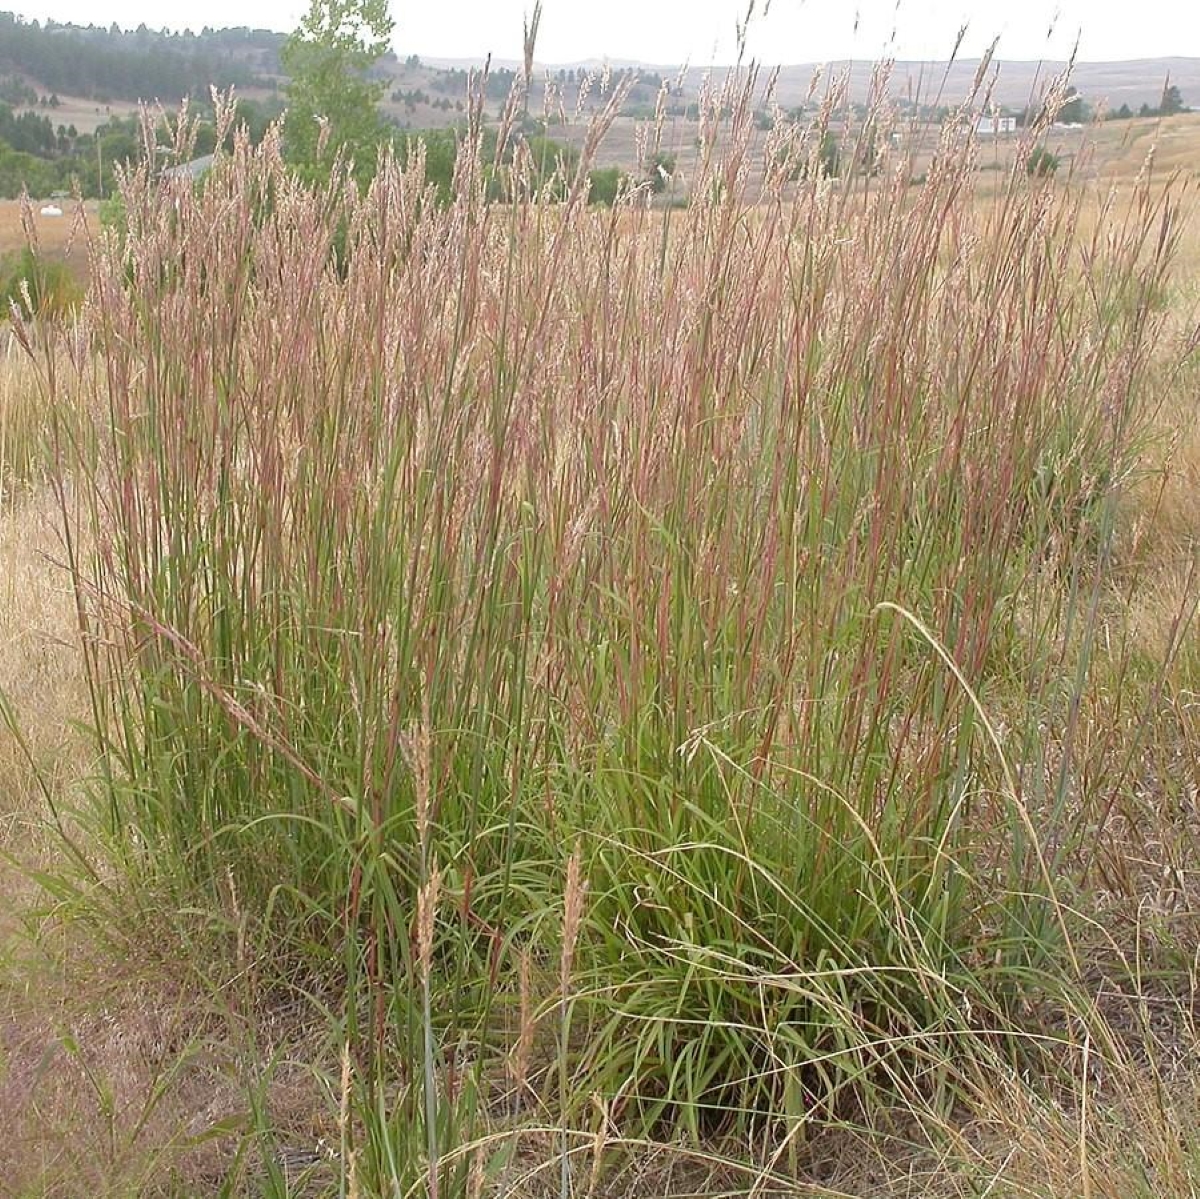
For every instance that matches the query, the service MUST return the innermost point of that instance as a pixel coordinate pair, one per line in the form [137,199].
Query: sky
[700,32]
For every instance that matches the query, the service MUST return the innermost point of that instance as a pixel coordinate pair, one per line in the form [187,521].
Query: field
[528,699]
[87,115]
[61,238]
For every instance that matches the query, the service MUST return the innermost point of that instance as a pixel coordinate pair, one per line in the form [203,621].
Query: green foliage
[68,159]
[1041,163]
[27,131]
[606,184]
[14,90]
[1076,110]
[830,155]
[551,164]
[497,86]
[332,100]
[828,158]
[1172,101]
[441,154]
[549,155]
[553,161]
[255,116]
[1170,104]
[20,172]
[113,215]
[37,286]
[531,164]
[36,158]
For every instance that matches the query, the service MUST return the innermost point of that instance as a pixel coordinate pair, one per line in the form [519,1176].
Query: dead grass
[24,425]
[88,115]
[122,1075]
[40,667]
[59,237]
[1122,146]
[119,1074]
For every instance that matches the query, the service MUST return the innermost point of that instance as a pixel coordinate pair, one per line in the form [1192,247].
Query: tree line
[1077,111]
[42,158]
[107,64]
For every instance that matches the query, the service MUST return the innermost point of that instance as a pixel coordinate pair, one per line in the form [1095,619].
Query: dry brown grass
[24,444]
[121,1076]
[40,668]
[88,115]
[58,237]
[1122,146]
[41,672]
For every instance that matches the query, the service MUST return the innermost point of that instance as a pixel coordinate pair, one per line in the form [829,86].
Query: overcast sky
[670,32]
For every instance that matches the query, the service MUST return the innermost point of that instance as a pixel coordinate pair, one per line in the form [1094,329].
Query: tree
[332,101]
[1172,101]
[1075,111]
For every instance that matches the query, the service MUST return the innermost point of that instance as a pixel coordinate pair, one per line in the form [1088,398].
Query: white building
[994,126]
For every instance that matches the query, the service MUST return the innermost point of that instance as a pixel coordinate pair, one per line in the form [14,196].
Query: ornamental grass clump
[438,547]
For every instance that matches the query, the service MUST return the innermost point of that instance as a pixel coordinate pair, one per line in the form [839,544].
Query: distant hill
[109,64]
[1134,82]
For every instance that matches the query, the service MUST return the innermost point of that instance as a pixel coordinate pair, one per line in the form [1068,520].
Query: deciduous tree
[333,103]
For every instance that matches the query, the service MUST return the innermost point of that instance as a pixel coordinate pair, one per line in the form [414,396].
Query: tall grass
[735,546]
[24,423]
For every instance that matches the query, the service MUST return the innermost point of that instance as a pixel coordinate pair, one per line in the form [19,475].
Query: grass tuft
[705,603]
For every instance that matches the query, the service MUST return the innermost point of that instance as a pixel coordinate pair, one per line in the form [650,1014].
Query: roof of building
[190,170]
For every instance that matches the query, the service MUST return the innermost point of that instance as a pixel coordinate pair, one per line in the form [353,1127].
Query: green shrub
[660,172]
[1041,163]
[38,286]
[606,185]
[112,213]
